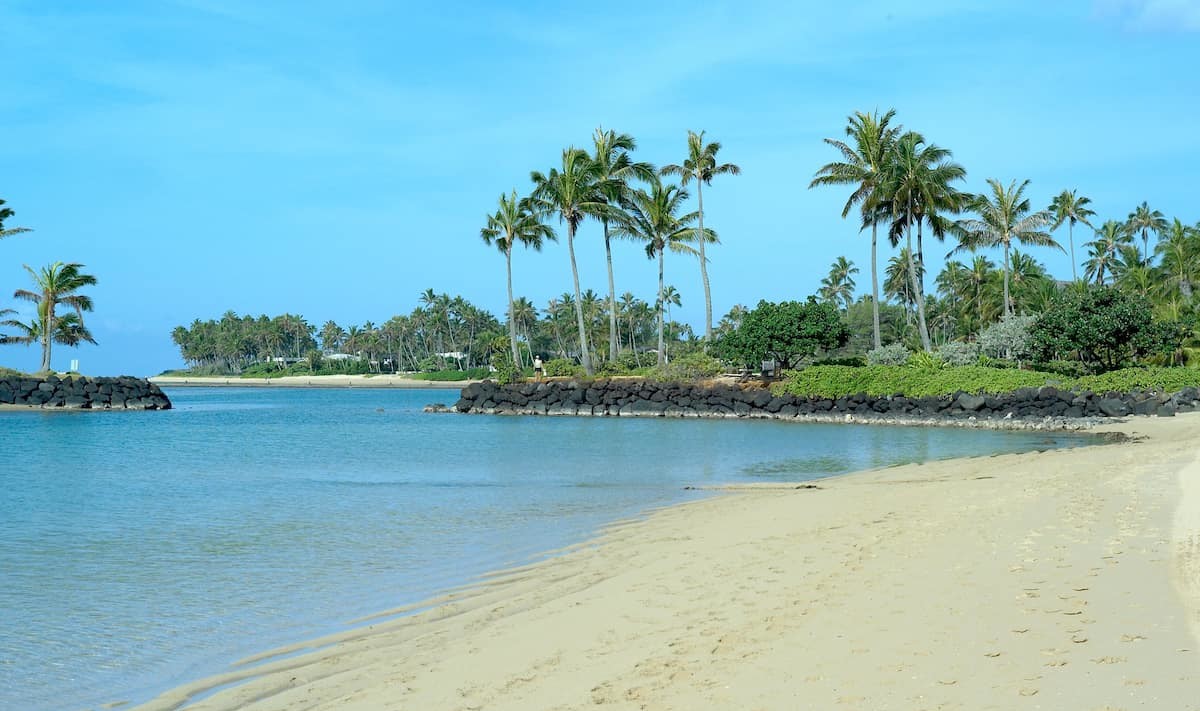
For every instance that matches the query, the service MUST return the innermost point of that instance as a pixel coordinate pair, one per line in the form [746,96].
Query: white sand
[1059,580]
[311,381]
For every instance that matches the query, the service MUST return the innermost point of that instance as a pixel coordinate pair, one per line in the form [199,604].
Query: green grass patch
[449,376]
[1153,378]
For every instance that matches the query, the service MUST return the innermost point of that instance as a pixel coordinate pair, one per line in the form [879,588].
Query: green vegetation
[1103,329]
[57,285]
[785,332]
[446,376]
[911,381]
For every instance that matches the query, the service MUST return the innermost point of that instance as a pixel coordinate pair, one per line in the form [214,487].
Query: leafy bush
[855,361]
[957,353]
[894,354]
[785,332]
[507,372]
[1068,368]
[1103,328]
[926,361]
[561,367]
[1007,339]
[693,366]
[833,381]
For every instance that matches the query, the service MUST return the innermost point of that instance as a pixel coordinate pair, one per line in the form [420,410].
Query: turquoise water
[141,550]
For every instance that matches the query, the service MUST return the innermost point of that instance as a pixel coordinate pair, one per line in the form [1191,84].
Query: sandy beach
[1065,579]
[311,381]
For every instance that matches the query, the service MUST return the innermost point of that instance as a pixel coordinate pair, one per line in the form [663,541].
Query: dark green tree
[1103,328]
[786,332]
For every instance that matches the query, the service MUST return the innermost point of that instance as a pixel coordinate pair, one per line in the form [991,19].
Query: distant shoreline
[310,381]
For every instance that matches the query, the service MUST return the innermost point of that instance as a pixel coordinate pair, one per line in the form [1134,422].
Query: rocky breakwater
[80,393]
[1045,407]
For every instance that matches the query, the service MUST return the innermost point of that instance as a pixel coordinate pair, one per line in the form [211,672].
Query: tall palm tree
[513,222]
[1111,236]
[576,191]
[838,287]
[616,169]
[919,187]
[525,314]
[1146,220]
[1005,217]
[864,165]
[1070,208]
[899,284]
[652,217]
[701,165]
[57,285]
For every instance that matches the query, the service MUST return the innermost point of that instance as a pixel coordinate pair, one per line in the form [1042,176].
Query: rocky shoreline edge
[73,392]
[1044,408]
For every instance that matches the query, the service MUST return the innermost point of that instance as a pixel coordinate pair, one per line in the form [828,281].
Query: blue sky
[336,159]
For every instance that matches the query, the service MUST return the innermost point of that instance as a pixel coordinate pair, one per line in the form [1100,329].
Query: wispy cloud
[1153,15]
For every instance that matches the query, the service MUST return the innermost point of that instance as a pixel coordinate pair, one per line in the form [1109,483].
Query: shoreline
[311,381]
[1067,578]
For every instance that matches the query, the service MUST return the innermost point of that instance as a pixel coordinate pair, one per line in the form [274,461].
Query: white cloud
[1150,15]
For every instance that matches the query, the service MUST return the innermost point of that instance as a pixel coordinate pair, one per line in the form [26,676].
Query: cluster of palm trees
[900,181]
[58,307]
[631,201]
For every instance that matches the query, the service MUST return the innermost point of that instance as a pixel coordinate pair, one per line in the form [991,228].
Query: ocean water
[142,550]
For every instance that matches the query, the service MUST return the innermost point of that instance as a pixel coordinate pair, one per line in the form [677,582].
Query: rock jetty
[81,393]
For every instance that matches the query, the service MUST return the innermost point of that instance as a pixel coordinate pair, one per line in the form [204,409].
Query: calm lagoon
[141,550]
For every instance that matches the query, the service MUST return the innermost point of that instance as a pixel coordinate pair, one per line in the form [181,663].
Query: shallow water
[141,550]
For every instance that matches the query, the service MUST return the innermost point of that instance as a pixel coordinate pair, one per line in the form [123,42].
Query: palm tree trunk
[875,284]
[585,355]
[512,321]
[1007,303]
[917,296]
[662,353]
[613,340]
[704,264]
[1071,239]
[47,334]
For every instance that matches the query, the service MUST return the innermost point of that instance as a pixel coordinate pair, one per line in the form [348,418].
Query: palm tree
[577,191]
[1026,274]
[1179,249]
[616,169]
[1069,208]
[1103,254]
[652,217]
[1004,218]
[332,336]
[525,314]
[838,287]
[701,165]
[918,186]
[514,222]
[1146,220]
[7,213]
[898,283]
[864,165]
[57,285]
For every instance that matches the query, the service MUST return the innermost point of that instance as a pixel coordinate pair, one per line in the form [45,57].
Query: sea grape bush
[786,332]
[894,354]
[562,367]
[693,366]
[1104,329]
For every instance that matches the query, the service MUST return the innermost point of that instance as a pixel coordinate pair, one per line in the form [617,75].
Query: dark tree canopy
[785,332]
[1104,328]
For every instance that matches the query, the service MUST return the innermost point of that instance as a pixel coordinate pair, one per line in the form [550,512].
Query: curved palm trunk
[614,340]
[704,264]
[918,296]
[512,321]
[1007,300]
[875,284]
[662,351]
[1071,239]
[585,354]
[47,334]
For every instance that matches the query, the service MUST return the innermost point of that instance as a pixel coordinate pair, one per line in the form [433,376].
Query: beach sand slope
[1062,580]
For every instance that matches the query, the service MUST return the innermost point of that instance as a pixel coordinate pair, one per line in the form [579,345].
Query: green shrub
[835,381]
[926,361]
[894,354]
[506,372]
[855,361]
[957,353]
[1161,379]
[450,376]
[561,367]
[693,366]
[9,372]
[1007,339]
[1068,368]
